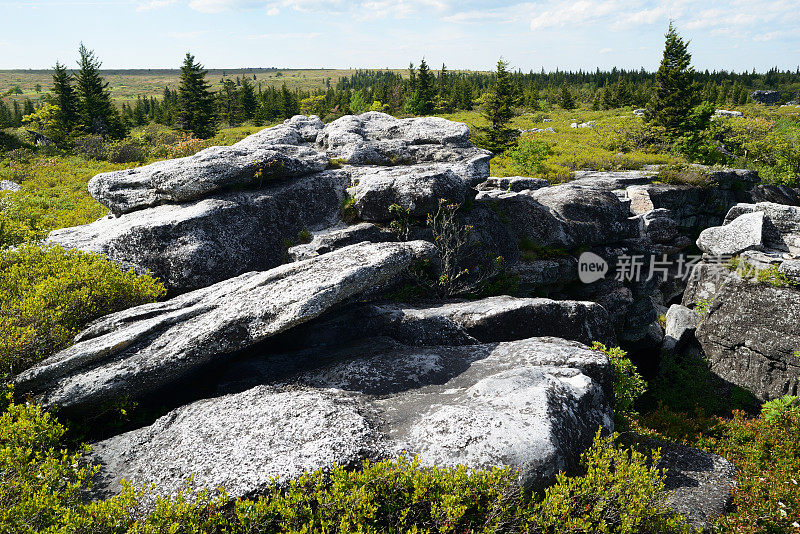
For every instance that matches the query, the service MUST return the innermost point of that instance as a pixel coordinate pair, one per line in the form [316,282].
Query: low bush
[42,488]
[628,383]
[48,294]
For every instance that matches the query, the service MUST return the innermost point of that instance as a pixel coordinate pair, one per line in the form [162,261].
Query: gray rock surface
[417,188]
[612,180]
[783,230]
[680,328]
[199,243]
[532,405]
[750,336]
[778,194]
[140,351]
[512,183]
[526,219]
[702,483]
[271,154]
[375,138]
[335,238]
[588,215]
[8,185]
[741,234]
[769,98]
[791,270]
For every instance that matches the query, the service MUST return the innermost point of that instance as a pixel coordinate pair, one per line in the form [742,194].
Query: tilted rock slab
[533,405]
[199,243]
[143,349]
[782,224]
[750,335]
[269,154]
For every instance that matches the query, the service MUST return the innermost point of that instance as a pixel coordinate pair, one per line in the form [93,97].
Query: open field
[126,85]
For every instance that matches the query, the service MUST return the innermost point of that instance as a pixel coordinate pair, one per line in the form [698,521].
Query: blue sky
[470,34]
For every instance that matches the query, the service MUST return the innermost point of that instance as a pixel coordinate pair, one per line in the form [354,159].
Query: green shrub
[622,491]
[47,295]
[42,488]
[683,174]
[126,151]
[628,383]
[529,155]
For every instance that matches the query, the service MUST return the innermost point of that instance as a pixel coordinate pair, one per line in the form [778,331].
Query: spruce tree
[674,94]
[97,113]
[196,111]
[247,100]
[565,99]
[499,111]
[424,90]
[67,101]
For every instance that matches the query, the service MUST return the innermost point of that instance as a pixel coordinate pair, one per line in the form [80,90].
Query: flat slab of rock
[512,183]
[254,160]
[331,239]
[702,483]
[199,243]
[612,180]
[742,233]
[533,405]
[142,350]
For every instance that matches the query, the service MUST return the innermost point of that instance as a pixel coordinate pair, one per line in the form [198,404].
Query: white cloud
[154,4]
[580,12]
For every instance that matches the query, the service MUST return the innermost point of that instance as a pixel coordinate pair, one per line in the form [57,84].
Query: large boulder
[589,216]
[417,188]
[681,323]
[750,335]
[267,155]
[741,234]
[512,183]
[141,351]
[335,238]
[199,243]
[532,405]
[375,138]
[783,229]
[529,222]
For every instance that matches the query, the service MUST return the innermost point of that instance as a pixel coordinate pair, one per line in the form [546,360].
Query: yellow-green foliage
[41,486]
[628,383]
[53,195]
[621,491]
[605,147]
[48,294]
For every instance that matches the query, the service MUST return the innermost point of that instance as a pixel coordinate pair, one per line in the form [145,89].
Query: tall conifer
[196,109]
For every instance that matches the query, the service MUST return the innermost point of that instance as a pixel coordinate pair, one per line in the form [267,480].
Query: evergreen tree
[565,99]
[97,114]
[422,97]
[196,111]
[247,100]
[499,111]
[675,94]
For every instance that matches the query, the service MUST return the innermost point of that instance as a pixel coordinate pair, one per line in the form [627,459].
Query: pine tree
[499,111]
[97,114]
[565,99]
[196,111]
[247,100]
[675,94]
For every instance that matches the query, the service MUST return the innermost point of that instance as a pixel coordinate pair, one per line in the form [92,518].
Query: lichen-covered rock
[532,405]
[742,233]
[335,238]
[8,185]
[750,335]
[375,138]
[199,243]
[140,351]
[589,216]
[680,328]
[417,188]
[267,155]
[701,483]
[528,221]
[512,183]
[783,230]
[612,180]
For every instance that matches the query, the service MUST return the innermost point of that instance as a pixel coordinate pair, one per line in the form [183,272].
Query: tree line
[79,102]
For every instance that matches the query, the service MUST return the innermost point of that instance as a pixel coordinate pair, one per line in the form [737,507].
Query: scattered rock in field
[741,234]
[588,124]
[8,185]
[727,113]
[141,351]
[769,98]
[639,112]
[532,405]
